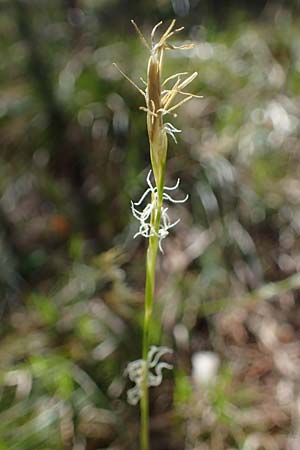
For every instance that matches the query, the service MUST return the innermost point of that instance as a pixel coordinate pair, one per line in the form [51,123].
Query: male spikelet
[159,99]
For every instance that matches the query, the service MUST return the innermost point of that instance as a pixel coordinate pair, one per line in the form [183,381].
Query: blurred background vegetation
[74,152]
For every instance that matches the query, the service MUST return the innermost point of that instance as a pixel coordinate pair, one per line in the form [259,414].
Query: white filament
[136,372]
[146,229]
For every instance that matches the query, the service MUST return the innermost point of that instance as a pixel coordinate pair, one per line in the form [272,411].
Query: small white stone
[205,366]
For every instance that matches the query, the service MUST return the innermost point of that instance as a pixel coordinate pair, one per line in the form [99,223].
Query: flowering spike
[154,221]
[159,102]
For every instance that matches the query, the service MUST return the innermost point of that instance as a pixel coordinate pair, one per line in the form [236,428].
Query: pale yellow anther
[129,79]
[188,80]
[180,103]
[166,34]
[142,37]
[154,30]
[171,94]
[176,75]
[147,110]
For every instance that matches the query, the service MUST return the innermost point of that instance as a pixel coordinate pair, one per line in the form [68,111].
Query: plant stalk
[159,101]
[151,261]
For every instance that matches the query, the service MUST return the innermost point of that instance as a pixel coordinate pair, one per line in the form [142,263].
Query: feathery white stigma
[136,371]
[146,229]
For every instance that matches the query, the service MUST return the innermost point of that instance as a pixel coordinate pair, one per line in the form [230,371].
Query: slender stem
[149,297]
[149,294]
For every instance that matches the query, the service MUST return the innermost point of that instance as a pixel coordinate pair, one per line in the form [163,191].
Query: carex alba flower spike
[162,99]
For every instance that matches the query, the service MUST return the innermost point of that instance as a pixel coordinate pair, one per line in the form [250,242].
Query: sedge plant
[162,99]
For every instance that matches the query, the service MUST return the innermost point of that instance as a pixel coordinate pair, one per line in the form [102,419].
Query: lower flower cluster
[150,368]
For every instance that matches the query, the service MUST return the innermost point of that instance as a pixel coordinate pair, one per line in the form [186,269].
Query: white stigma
[146,229]
[136,371]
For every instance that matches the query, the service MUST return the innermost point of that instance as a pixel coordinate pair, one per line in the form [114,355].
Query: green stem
[149,294]
[149,297]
